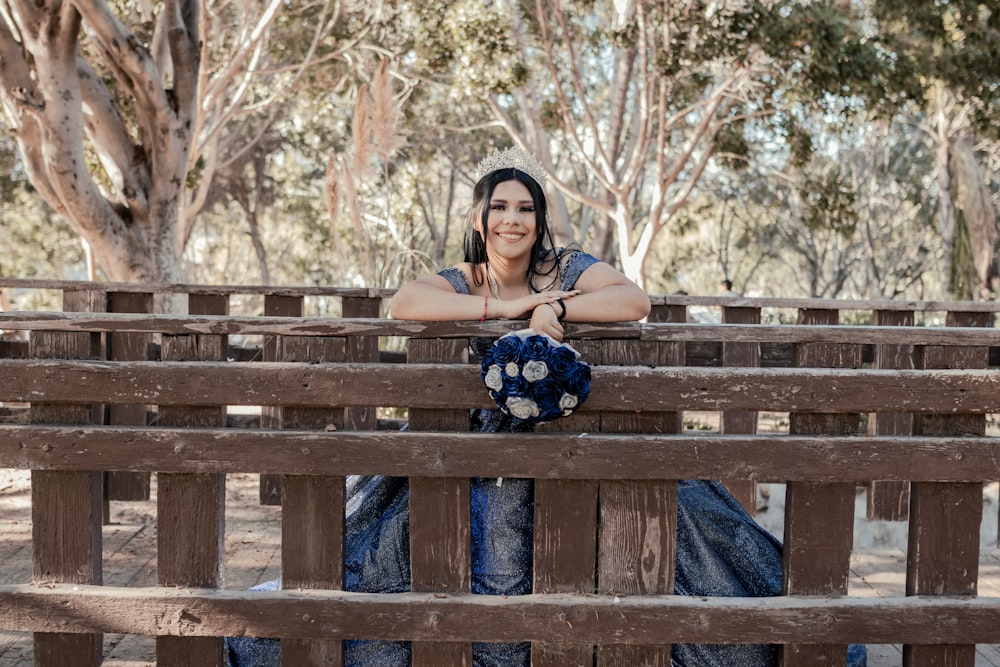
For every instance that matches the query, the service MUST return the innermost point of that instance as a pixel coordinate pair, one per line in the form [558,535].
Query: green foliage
[829,202]
[830,58]
[731,144]
[956,43]
[467,44]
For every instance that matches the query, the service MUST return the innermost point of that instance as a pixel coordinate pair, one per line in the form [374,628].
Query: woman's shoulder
[565,255]
[572,261]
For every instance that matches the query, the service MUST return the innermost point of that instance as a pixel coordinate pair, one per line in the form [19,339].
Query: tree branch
[122,49]
[183,36]
[121,158]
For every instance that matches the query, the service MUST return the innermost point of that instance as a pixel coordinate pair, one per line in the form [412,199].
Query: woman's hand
[526,306]
[545,320]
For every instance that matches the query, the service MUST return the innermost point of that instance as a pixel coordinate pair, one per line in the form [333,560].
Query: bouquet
[535,378]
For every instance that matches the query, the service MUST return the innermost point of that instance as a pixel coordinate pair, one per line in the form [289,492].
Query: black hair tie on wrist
[563,306]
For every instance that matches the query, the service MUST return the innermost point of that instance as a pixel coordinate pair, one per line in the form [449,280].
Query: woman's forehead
[512,190]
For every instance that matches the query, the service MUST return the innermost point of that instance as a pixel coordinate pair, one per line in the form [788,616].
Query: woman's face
[511,221]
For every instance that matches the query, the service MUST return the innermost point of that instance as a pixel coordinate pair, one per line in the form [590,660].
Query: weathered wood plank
[190,507]
[275,305]
[458,386]
[312,555]
[361,350]
[565,529]
[744,354]
[943,548]
[365,325]
[819,517]
[282,324]
[461,617]
[66,509]
[440,529]
[312,519]
[669,299]
[193,288]
[638,520]
[565,549]
[587,455]
[889,501]
[126,346]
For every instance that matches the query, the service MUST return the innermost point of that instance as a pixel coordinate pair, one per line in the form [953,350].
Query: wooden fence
[133,394]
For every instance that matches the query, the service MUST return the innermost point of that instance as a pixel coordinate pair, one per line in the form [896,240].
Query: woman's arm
[606,295]
[432,298]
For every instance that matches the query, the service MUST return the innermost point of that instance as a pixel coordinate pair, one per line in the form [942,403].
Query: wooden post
[312,516]
[565,531]
[190,516]
[819,517]
[890,500]
[440,531]
[275,305]
[741,421]
[638,519]
[943,551]
[128,346]
[65,506]
[361,349]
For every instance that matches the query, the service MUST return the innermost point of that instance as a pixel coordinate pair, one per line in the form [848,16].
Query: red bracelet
[486,308]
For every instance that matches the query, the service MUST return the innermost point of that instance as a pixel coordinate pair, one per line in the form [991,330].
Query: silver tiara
[512,158]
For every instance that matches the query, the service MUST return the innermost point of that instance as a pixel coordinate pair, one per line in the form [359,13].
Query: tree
[950,52]
[28,254]
[628,104]
[122,131]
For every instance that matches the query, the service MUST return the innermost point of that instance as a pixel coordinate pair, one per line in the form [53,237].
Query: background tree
[685,140]
[628,103]
[122,129]
[950,52]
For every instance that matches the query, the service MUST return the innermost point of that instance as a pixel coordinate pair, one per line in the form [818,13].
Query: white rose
[535,370]
[493,379]
[522,408]
[511,369]
[568,402]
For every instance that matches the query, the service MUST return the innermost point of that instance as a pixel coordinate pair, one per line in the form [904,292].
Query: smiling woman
[511,268]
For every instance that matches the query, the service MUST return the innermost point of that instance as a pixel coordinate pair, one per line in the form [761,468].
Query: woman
[512,271]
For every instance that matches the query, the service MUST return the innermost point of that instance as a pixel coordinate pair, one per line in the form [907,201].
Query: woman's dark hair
[482,193]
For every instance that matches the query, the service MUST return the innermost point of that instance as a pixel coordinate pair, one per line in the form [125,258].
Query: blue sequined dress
[721,550]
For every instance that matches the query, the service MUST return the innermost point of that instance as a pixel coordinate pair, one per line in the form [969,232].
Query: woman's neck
[507,279]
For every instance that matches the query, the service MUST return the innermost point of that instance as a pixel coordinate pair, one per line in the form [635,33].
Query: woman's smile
[510,237]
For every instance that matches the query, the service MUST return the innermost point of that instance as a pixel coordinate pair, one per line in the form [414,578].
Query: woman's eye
[496,207]
[528,209]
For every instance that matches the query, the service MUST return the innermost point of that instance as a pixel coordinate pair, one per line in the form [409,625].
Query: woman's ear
[477,222]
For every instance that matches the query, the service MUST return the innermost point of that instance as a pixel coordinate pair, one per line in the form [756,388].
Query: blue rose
[562,361]
[506,350]
[578,381]
[514,385]
[535,348]
[547,393]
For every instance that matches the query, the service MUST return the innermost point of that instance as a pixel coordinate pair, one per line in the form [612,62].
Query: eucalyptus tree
[951,50]
[124,112]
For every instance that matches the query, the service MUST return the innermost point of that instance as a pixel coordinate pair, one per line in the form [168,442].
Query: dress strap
[457,279]
[574,263]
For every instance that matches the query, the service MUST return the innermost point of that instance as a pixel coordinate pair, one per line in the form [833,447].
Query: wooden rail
[605,478]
